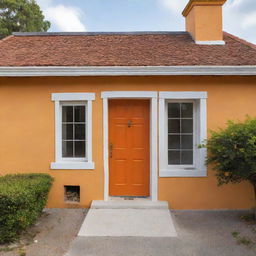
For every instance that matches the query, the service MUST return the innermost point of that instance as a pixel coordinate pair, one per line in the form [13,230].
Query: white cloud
[249,21]
[64,18]
[240,18]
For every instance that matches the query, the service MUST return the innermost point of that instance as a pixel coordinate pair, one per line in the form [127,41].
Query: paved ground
[51,236]
[128,222]
[206,233]
[199,234]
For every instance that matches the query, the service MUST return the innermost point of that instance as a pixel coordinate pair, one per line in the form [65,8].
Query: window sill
[72,166]
[182,173]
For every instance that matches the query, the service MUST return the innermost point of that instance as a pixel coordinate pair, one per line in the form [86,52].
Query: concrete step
[128,222]
[129,204]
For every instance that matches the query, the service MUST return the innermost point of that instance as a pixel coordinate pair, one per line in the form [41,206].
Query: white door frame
[153,135]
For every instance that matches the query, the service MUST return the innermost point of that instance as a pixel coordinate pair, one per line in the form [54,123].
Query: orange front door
[129,147]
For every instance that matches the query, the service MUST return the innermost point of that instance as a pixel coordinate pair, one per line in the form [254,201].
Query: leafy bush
[22,199]
[232,151]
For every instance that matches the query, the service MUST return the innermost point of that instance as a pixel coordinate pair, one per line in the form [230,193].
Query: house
[122,114]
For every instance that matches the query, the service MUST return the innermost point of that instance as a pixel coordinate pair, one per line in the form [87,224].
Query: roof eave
[37,71]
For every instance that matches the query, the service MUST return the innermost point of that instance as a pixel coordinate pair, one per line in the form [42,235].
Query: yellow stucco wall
[27,134]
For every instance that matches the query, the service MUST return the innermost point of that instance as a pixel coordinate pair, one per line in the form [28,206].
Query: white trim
[183,95]
[199,169]
[105,149]
[57,131]
[73,96]
[164,114]
[202,134]
[72,166]
[182,173]
[153,150]
[70,163]
[89,131]
[129,94]
[153,137]
[128,71]
[162,141]
[217,42]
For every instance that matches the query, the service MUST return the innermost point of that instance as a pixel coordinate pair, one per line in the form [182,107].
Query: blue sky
[141,15]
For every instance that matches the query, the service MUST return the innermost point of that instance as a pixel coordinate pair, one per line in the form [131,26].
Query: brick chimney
[204,21]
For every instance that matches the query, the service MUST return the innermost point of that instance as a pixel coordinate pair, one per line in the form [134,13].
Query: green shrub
[232,152]
[22,199]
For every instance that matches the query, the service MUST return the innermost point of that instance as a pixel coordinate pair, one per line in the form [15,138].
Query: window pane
[79,113]
[73,131]
[174,142]
[79,149]
[187,126]
[79,131]
[187,157]
[174,126]
[186,110]
[180,122]
[186,141]
[173,157]
[67,131]
[173,110]
[67,114]
[67,148]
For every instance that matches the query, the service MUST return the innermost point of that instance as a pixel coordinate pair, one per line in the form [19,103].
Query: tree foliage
[21,16]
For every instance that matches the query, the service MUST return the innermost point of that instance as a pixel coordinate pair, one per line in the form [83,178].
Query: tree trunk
[252,179]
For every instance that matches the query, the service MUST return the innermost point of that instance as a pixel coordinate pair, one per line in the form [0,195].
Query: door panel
[129,137]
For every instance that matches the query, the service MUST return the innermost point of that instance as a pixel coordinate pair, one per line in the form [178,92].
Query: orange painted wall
[191,23]
[204,23]
[27,134]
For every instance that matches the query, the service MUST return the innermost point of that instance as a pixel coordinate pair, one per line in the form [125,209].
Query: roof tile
[138,49]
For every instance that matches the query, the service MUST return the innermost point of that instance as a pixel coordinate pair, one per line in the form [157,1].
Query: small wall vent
[72,194]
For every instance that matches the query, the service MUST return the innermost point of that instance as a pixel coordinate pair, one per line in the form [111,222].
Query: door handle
[110,150]
[129,123]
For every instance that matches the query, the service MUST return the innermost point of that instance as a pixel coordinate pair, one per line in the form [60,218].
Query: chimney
[204,21]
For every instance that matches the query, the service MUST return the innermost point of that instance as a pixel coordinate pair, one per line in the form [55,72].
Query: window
[73,131]
[73,125]
[180,133]
[182,127]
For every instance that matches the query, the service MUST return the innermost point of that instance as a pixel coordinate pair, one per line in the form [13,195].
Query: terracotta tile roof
[122,49]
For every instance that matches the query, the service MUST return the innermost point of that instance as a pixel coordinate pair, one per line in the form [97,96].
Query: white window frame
[198,169]
[194,131]
[65,99]
[73,159]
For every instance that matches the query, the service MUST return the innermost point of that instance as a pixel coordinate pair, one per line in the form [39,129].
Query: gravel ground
[50,236]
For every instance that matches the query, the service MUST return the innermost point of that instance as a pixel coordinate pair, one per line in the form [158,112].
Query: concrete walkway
[200,233]
[137,218]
